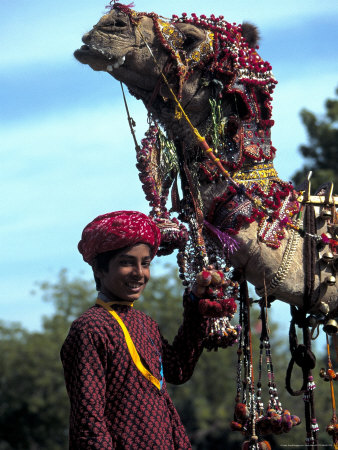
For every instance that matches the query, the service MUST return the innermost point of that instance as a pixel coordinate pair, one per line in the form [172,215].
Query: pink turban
[116,230]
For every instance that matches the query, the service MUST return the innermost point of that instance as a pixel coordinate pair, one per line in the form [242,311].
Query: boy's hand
[208,282]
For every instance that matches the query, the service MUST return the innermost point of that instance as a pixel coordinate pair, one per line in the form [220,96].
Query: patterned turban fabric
[116,230]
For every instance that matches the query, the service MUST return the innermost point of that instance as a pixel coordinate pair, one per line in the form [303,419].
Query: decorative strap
[288,258]
[131,347]
[256,173]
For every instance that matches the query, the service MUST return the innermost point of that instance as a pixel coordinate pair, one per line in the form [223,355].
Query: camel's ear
[251,34]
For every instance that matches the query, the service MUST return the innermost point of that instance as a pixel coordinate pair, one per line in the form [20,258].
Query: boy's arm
[84,358]
[180,358]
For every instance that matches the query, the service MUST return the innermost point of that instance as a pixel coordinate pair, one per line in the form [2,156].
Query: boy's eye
[128,262]
[125,262]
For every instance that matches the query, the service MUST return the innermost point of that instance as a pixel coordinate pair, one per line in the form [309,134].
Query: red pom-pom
[228,306]
[241,411]
[209,308]
[264,445]
[295,420]
[236,426]
[204,278]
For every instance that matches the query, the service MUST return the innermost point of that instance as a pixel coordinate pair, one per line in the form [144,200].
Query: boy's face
[127,275]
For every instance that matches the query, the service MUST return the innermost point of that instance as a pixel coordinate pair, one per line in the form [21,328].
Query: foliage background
[34,404]
[320,153]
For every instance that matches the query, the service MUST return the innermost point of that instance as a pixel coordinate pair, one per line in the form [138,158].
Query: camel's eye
[190,41]
[193,36]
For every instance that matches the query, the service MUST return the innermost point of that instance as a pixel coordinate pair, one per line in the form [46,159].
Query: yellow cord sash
[131,347]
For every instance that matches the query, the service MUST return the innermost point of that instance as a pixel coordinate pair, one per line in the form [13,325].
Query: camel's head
[202,57]
[114,45]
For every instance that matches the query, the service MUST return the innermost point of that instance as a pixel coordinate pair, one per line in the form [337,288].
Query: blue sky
[66,152]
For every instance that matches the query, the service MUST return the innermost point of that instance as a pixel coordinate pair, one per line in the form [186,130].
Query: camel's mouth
[107,44]
[98,58]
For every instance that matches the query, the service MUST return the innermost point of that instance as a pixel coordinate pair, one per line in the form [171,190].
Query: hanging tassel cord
[252,405]
[310,256]
[239,358]
[310,413]
[335,343]
[330,367]
[131,121]
[302,355]
[334,415]
[265,341]
[189,188]
[241,352]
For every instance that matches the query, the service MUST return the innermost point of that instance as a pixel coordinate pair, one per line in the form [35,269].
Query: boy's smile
[127,275]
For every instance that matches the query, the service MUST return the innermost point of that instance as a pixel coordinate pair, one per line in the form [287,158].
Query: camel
[207,71]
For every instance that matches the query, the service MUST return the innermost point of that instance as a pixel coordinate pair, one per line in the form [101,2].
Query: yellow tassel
[178,113]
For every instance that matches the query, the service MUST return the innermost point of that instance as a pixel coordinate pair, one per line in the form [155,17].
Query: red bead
[331,373]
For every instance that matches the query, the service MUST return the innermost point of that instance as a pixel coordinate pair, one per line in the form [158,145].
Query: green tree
[34,403]
[321,152]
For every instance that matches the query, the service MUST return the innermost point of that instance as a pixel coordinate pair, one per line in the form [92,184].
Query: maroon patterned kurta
[113,406]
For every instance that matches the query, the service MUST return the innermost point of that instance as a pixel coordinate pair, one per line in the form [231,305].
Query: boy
[115,360]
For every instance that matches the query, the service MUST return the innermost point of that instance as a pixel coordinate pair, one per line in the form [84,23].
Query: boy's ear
[97,272]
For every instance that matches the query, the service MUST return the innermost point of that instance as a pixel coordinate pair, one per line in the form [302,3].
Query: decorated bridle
[244,69]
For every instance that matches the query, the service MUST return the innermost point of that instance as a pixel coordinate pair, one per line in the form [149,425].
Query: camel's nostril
[86,38]
[120,23]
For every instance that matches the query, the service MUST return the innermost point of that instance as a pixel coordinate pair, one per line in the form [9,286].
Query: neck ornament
[104,301]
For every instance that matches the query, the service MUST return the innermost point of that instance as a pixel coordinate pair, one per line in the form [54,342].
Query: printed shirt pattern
[113,406]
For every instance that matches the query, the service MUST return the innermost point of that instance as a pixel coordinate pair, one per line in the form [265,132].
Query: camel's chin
[97,60]
[85,56]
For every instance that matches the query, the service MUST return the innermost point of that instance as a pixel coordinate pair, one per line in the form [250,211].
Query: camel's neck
[245,150]
[244,145]
[248,156]
[233,210]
